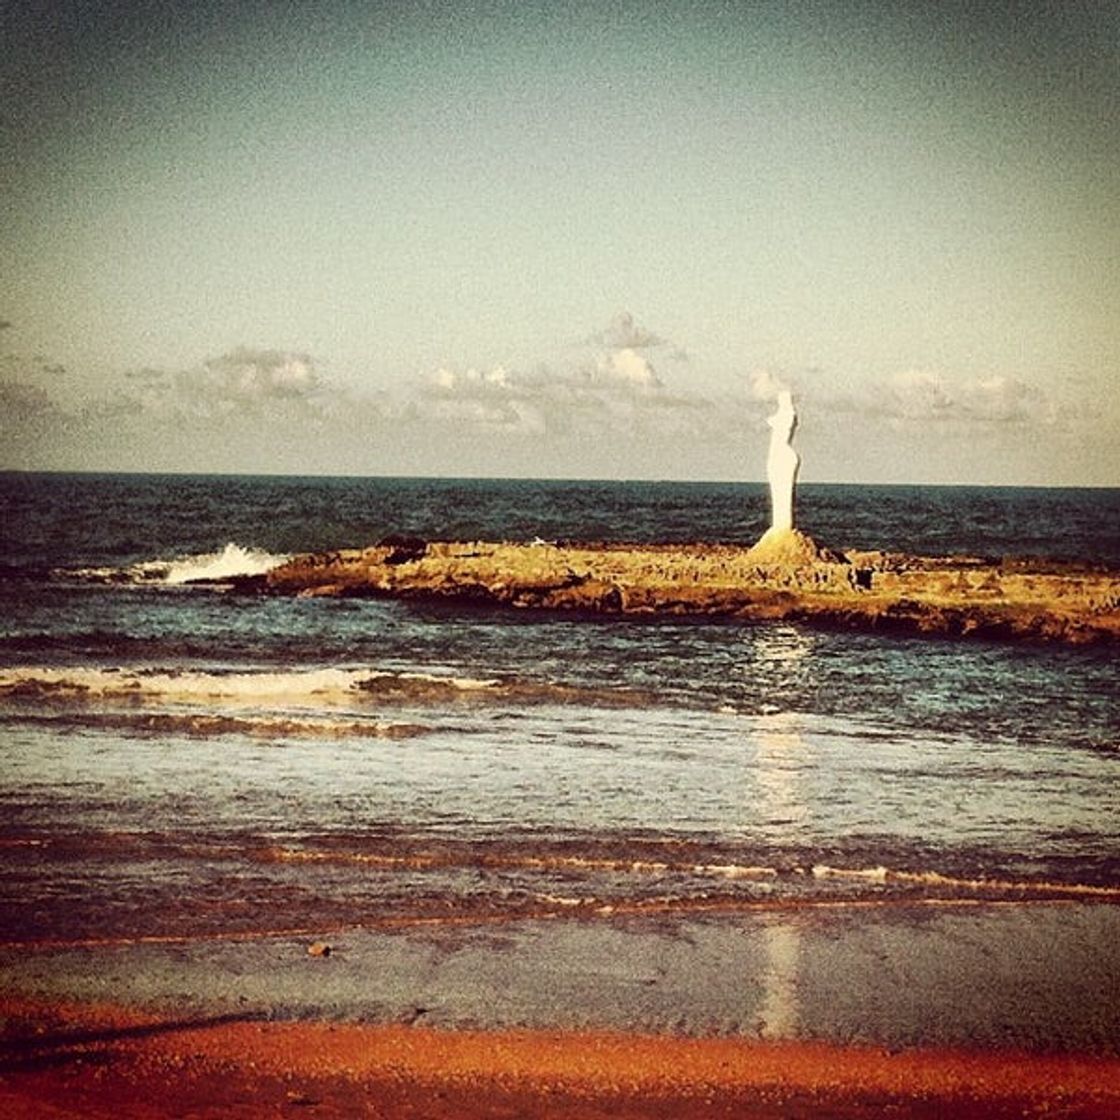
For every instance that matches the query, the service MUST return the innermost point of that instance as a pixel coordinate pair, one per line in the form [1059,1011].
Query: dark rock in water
[247,585]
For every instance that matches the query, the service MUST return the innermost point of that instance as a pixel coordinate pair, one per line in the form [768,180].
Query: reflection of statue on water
[782,463]
[779,763]
[779,1014]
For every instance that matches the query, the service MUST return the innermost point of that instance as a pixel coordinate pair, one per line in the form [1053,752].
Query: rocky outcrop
[791,578]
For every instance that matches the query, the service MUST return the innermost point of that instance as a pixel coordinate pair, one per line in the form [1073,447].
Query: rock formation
[957,597]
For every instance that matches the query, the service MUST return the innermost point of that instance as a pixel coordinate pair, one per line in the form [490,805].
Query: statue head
[784,420]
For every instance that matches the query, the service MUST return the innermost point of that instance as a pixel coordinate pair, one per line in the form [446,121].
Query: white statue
[782,463]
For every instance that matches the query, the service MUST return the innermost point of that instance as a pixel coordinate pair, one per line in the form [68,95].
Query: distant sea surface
[181,760]
[60,519]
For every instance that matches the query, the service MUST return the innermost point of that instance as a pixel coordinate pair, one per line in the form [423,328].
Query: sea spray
[234,561]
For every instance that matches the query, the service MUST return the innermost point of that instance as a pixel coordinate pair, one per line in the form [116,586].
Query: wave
[305,688]
[234,561]
[637,877]
[982,886]
[207,724]
[448,857]
[929,884]
[623,883]
[300,688]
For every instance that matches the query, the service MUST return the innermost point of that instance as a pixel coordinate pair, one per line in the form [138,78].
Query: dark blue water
[62,519]
[161,738]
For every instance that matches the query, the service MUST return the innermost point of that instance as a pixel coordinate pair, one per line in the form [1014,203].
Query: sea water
[181,758]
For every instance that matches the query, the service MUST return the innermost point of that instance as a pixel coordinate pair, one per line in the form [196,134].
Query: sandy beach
[102,1061]
[851,1011]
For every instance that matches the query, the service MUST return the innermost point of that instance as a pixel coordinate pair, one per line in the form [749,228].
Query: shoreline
[789,579]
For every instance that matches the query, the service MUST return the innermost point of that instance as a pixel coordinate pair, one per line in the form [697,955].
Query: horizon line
[572,479]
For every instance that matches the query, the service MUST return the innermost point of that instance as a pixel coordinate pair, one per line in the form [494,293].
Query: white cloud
[530,403]
[22,403]
[923,396]
[243,380]
[470,380]
[618,391]
[611,414]
[916,395]
[628,367]
[1006,400]
[249,376]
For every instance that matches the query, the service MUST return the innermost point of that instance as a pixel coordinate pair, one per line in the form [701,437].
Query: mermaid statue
[782,463]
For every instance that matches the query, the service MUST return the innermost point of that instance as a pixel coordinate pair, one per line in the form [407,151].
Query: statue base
[790,547]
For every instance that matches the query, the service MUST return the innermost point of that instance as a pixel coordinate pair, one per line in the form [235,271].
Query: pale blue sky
[394,238]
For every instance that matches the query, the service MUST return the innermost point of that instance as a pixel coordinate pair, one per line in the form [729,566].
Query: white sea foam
[736,871]
[562,900]
[288,688]
[872,874]
[230,562]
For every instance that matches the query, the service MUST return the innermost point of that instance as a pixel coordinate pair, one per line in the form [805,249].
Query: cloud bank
[610,412]
[242,381]
[925,397]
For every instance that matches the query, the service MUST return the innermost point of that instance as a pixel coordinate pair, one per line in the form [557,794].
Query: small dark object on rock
[318,949]
[405,548]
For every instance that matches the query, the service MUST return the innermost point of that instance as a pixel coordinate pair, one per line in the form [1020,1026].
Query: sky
[575,240]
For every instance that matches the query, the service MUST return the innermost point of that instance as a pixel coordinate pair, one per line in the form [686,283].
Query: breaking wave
[783,880]
[421,877]
[205,724]
[312,687]
[234,561]
[307,688]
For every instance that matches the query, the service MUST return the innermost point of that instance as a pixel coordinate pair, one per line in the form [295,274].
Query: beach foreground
[848,1011]
[544,829]
[785,576]
[101,1061]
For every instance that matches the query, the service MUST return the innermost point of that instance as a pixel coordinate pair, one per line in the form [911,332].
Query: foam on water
[298,688]
[204,724]
[231,562]
[322,687]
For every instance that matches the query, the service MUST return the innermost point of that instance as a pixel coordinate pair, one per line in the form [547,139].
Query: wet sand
[849,1010]
[104,1062]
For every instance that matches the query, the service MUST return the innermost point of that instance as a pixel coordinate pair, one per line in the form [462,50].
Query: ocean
[183,760]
